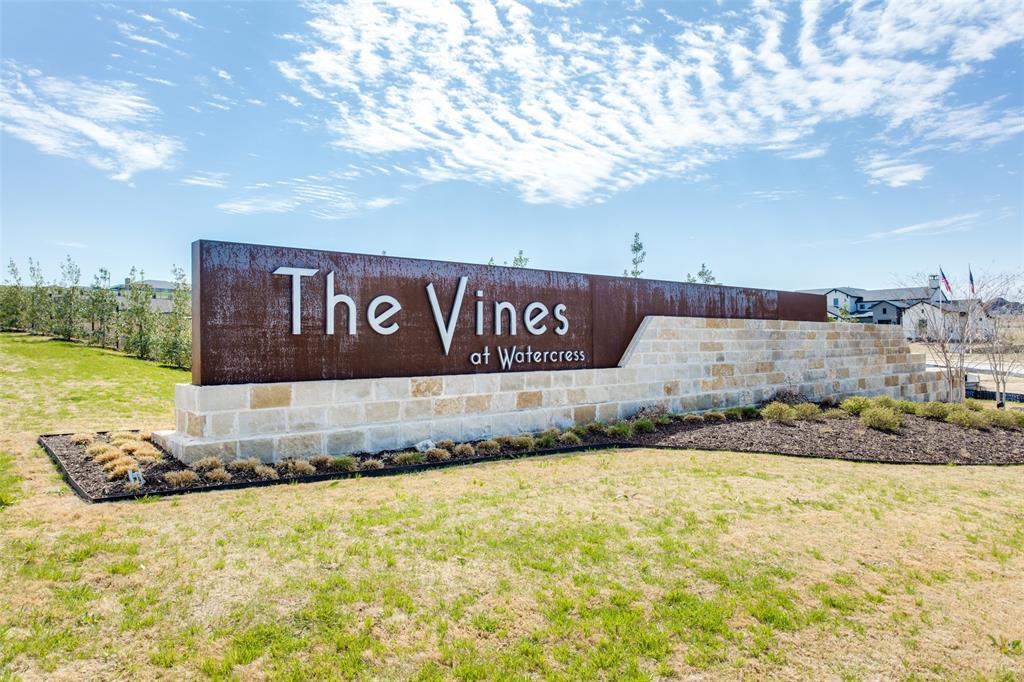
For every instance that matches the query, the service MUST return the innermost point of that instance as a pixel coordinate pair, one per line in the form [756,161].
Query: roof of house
[867,295]
[157,284]
[896,304]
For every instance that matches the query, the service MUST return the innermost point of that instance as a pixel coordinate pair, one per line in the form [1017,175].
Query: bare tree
[1003,343]
[950,329]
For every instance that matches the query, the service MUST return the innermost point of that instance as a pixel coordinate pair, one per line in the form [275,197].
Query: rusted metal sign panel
[268,313]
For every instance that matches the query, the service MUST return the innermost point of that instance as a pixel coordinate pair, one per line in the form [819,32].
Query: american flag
[945,282]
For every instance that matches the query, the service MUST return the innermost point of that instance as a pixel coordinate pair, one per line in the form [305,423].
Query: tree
[952,327]
[1002,344]
[68,301]
[639,255]
[704,276]
[101,310]
[518,261]
[138,321]
[39,304]
[175,347]
[12,299]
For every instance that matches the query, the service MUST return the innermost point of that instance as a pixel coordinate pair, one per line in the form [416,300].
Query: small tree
[1003,339]
[138,321]
[12,299]
[638,257]
[175,327]
[518,261]
[101,310]
[68,301]
[39,304]
[704,276]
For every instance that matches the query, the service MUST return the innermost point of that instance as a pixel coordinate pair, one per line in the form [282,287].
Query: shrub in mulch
[106,466]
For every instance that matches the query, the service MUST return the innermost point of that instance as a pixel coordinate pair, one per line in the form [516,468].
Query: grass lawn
[632,564]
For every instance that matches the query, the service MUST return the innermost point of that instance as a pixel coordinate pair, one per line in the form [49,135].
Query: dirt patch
[918,441]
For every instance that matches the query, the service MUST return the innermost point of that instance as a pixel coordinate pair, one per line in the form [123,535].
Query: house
[925,320]
[877,306]
[916,309]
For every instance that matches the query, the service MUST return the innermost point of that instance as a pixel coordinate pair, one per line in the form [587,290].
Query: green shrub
[643,425]
[663,419]
[906,406]
[966,418]
[411,457]
[505,441]
[464,450]
[597,428]
[734,414]
[434,455]
[778,412]
[884,401]
[1020,419]
[569,439]
[807,412]
[934,410]
[524,441]
[1002,419]
[344,463]
[855,405]
[445,444]
[553,434]
[834,413]
[974,405]
[371,464]
[547,440]
[714,416]
[488,447]
[621,429]
[693,419]
[881,419]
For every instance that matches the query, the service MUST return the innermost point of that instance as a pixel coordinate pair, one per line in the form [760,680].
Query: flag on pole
[945,282]
[970,278]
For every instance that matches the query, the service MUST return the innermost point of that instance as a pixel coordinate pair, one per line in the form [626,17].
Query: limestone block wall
[685,364]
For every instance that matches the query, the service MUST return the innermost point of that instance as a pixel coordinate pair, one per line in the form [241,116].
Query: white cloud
[205,179]
[323,197]
[222,74]
[957,223]
[290,99]
[183,16]
[893,172]
[569,112]
[107,124]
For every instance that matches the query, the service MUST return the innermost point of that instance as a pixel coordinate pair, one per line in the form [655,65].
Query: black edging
[427,466]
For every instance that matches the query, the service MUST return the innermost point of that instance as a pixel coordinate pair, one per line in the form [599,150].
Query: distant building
[909,307]
[161,301]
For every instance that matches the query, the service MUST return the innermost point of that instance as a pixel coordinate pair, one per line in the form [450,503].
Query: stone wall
[685,364]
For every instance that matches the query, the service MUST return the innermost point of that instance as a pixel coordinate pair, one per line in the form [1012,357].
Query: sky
[789,146]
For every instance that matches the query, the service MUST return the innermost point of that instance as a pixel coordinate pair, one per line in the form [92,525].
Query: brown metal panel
[242,315]
[806,307]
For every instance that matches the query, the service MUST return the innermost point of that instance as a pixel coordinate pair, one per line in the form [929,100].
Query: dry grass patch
[180,479]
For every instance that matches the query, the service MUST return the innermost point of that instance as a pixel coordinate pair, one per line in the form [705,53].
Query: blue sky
[787,146]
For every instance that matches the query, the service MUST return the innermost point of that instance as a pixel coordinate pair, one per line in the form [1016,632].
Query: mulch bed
[919,441]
